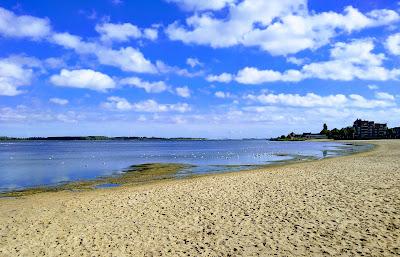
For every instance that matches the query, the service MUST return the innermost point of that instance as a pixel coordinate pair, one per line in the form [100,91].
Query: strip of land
[341,206]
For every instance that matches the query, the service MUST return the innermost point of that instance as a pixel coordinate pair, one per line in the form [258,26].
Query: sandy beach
[344,206]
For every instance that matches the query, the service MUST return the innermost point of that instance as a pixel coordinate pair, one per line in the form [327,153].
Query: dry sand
[345,206]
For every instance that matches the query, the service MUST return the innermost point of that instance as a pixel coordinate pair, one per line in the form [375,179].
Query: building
[380,131]
[396,132]
[365,129]
[314,136]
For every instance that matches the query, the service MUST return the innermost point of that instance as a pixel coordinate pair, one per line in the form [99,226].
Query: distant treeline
[93,138]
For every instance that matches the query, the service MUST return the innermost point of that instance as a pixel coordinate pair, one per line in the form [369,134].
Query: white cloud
[223,78]
[280,27]
[393,44]
[196,5]
[361,102]
[26,61]
[19,70]
[373,87]
[223,95]
[193,62]
[127,59]
[123,32]
[295,60]
[70,41]
[58,101]
[118,32]
[384,96]
[183,91]
[10,114]
[151,106]
[54,63]
[69,117]
[251,75]
[312,100]
[88,79]
[357,52]
[40,66]
[150,33]
[12,25]
[13,75]
[149,87]
[164,68]
[119,103]
[349,61]
[25,114]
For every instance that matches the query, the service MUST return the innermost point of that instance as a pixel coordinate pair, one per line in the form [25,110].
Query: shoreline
[345,205]
[146,173]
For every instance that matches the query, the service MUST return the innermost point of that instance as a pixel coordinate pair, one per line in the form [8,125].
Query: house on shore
[314,136]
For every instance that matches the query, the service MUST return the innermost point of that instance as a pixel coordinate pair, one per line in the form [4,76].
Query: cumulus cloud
[128,59]
[183,92]
[384,96]
[40,66]
[193,62]
[25,114]
[164,68]
[122,104]
[13,75]
[12,25]
[348,61]
[250,75]
[150,33]
[19,70]
[149,87]
[295,60]
[279,27]
[118,32]
[195,5]
[223,78]
[223,95]
[84,78]
[314,100]
[373,87]
[393,44]
[125,58]
[58,101]
[123,32]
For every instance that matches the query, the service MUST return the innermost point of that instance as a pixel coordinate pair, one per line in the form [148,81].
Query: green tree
[324,130]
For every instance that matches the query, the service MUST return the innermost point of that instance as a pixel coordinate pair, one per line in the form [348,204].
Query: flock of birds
[192,156]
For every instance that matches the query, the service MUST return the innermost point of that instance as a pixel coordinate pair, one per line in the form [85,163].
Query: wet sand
[343,206]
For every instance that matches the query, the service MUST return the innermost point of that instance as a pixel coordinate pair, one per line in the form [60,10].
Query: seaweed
[136,174]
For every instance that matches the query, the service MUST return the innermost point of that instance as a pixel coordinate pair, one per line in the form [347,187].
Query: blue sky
[217,69]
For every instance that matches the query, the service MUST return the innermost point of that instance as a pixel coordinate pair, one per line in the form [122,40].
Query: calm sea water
[33,163]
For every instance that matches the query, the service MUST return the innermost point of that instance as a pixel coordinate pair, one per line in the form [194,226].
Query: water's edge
[151,172]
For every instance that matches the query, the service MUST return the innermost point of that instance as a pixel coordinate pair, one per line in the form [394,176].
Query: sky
[190,68]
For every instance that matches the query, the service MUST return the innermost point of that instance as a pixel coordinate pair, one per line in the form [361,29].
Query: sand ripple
[347,206]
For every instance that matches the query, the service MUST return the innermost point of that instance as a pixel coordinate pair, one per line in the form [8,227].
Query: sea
[27,164]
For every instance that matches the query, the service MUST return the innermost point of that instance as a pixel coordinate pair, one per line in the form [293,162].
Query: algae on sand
[135,174]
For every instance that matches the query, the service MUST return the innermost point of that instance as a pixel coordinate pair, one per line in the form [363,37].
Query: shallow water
[32,163]
[106,185]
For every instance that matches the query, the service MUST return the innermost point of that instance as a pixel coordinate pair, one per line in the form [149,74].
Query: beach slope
[341,206]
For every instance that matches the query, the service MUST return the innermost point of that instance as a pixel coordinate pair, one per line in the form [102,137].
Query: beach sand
[345,206]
